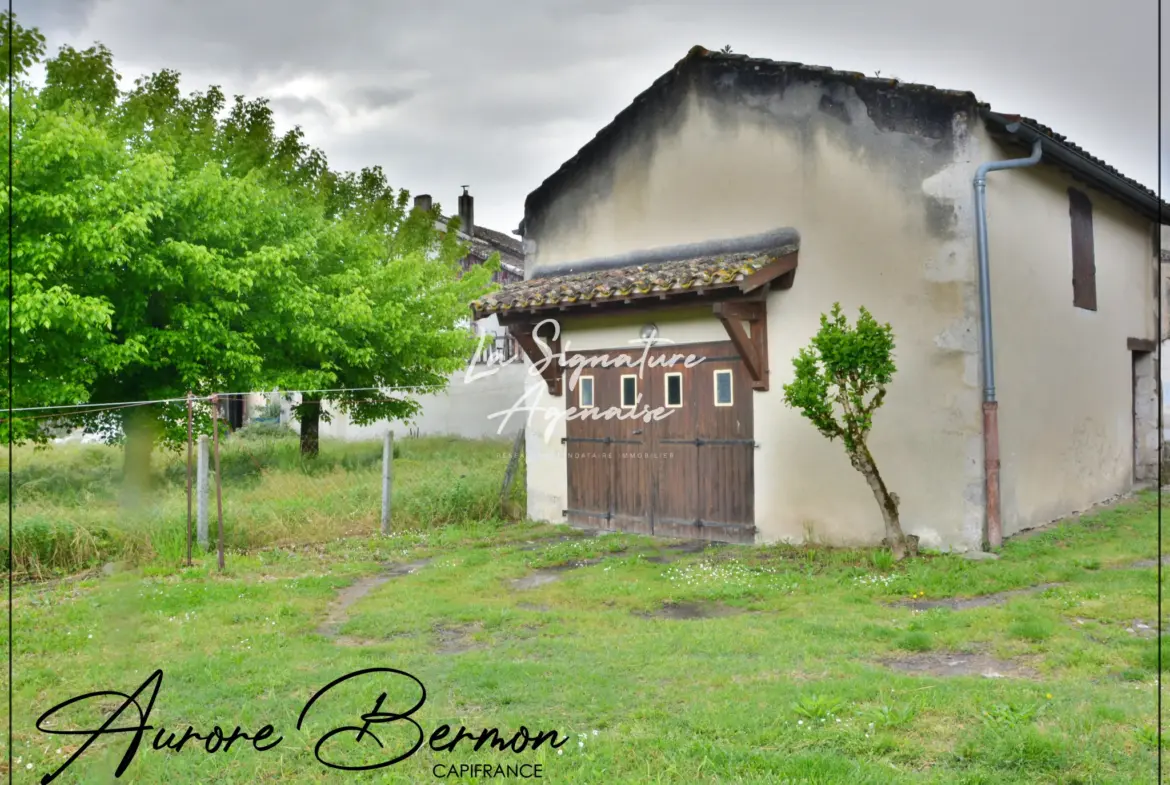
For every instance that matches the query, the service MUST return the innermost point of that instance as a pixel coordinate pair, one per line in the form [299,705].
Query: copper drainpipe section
[993,526]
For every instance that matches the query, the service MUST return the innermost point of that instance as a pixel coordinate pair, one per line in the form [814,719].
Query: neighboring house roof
[488,241]
[1057,149]
[697,267]
[500,240]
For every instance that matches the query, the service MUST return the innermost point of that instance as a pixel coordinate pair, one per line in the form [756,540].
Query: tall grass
[69,515]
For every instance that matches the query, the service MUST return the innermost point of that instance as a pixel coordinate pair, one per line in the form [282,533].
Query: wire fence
[241,477]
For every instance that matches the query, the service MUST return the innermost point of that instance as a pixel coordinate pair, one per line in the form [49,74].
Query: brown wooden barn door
[588,452]
[675,466]
[689,474]
[707,482]
[632,480]
[608,480]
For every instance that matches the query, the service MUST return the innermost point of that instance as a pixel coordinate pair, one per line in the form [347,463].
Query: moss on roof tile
[622,282]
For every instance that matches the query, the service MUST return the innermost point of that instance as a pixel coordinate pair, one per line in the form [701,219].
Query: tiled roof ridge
[786,238]
[722,269]
[499,240]
[697,53]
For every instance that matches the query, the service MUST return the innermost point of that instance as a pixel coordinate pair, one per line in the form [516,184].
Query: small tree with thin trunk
[840,382]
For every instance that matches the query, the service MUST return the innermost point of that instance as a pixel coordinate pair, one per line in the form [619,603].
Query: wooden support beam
[753,346]
[552,370]
[779,273]
[1140,344]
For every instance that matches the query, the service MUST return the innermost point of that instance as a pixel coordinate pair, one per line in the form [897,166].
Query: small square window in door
[674,395]
[723,395]
[629,391]
[585,392]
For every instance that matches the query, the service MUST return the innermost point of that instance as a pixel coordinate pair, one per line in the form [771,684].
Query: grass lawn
[733,664]
[68,516]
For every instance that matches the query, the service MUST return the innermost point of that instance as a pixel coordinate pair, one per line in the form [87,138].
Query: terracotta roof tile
[607,285]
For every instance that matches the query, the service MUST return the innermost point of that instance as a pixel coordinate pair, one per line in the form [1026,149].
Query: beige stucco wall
[1064,374]
[867,204]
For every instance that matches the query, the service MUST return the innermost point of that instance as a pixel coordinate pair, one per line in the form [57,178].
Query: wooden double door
[687,469]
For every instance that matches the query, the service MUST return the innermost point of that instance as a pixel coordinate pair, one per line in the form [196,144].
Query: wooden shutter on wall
[1080,211]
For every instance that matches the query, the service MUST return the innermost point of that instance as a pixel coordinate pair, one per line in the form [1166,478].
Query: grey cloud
[500,94]
[381,97]
[66,15]
[294,105]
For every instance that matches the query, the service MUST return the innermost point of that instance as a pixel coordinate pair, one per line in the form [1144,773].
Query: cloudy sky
[498,94]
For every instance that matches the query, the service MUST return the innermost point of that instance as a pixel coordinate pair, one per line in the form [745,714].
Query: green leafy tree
[79,197]
[397,307]
[840,381]
[143,267]
[162,249]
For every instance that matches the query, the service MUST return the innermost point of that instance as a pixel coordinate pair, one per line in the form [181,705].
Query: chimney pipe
[422,202]
[467,213]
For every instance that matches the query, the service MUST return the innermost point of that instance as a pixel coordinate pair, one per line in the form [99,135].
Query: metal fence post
[202,492]
[218,478]
[387,461]
[190,447]
[513,463]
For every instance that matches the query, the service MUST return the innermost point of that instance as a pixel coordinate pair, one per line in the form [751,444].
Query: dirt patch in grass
[546,575]
[542,577]
[691,610]
[536,545]
[528,606]
[338,610]
[1141,629]
[353,642]
[958,664]
[982,601]
[1144,563]
[456,639]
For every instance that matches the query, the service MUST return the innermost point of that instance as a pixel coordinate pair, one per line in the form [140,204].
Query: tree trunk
[309,413]
[895,539]
[140,426]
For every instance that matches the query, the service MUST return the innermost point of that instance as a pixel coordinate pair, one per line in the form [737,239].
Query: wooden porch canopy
[731,276]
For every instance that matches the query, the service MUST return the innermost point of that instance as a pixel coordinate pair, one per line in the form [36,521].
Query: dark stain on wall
[941,217]
[659,111]
[917,123]
[834,108]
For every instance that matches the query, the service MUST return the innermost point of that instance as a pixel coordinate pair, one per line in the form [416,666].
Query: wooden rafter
[752,346]
[780,274]
[551,370]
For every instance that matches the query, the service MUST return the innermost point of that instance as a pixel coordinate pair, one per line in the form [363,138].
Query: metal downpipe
[993,526]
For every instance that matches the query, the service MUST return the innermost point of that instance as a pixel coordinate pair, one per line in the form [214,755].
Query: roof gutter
[1062,155]
[993,527]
